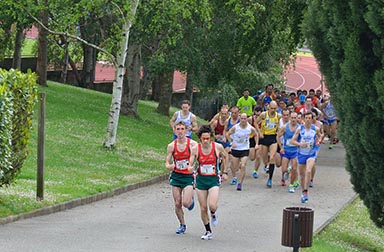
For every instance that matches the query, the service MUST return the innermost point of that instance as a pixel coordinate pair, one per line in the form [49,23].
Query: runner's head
[205,134]
[185,105]
[179,129]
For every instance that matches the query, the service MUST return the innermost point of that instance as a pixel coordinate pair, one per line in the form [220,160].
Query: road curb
[330,220]
[82,201]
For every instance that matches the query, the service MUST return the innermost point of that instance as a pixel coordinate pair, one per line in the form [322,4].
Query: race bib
[207,169]
[271,125]
[242,140]
[181,164]
[289,143]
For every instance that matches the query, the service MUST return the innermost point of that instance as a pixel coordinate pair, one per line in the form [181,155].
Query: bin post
[296,233]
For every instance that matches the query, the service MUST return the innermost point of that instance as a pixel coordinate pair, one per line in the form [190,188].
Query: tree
[347,40]
[126,12]
[160,29]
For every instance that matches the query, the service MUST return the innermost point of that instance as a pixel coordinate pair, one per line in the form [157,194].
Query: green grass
[76,164]
[351,231]
[28,46]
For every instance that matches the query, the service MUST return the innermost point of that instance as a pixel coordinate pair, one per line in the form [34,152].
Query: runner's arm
[168,162]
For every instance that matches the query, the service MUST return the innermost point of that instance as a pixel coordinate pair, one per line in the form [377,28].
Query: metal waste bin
[297,227]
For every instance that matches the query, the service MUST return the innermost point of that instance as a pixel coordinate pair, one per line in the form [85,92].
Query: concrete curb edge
[81,201]
[330,220]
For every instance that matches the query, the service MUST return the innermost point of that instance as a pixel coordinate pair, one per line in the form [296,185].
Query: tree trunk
[165,96]
[16,62]
[42,56]
[156,88]
[89,65]
[74,70]
[114,111]
[64,72]
[131,85]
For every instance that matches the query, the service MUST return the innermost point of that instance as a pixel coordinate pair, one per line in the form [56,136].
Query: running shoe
[192,205]
[269,183]
[207,236]
[255,174]
[282,182]
[266,169]
[304,198]
[291,188]
[289,169]
[330,146]
[214,220]
[234,181]
[238,187]
[311,184]
[181,229]
[296,184]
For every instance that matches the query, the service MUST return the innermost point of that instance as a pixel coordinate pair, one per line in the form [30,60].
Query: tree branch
[68,35]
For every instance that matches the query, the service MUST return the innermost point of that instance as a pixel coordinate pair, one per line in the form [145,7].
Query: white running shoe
[207,236]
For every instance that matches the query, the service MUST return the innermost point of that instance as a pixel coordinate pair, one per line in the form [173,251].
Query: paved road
[143,219]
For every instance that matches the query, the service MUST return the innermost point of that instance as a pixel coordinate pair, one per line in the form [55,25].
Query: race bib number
[181,164]
[271,125]
[242,140]
[207,169]
[289,143]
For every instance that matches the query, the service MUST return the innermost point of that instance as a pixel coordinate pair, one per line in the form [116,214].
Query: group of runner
[284,130]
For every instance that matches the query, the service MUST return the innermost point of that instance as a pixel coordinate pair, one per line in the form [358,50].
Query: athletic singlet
[329,111]
[253,125]
[181,158]
[269,124]
[308,137]
[187,120]
[288,134]
[219,130]
[208,163]
[230,125]
[241,137]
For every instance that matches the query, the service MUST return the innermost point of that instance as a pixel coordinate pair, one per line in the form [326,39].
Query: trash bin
[300,218]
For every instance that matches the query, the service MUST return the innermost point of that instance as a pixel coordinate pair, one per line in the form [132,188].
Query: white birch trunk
[114,111]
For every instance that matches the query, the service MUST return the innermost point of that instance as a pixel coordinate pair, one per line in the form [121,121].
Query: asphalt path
[144,219]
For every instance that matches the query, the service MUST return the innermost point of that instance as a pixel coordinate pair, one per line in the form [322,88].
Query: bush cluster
[18,96]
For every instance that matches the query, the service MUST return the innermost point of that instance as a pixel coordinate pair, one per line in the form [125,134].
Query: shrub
[18,101]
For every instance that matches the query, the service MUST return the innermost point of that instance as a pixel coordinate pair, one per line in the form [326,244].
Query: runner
[269,127]
[255,151]
[187,117]
[318,124]
[208,154]
[218,126]
[305,137]
[330,120]
[246,103]
[181,178]
[233,120]
[288,151]
[239,134]
[278,158]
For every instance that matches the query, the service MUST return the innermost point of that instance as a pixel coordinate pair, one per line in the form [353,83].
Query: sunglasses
[205,138]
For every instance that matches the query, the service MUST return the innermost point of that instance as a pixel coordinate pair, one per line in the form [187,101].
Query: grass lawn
[76,164]
[28,46]
[351,231]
